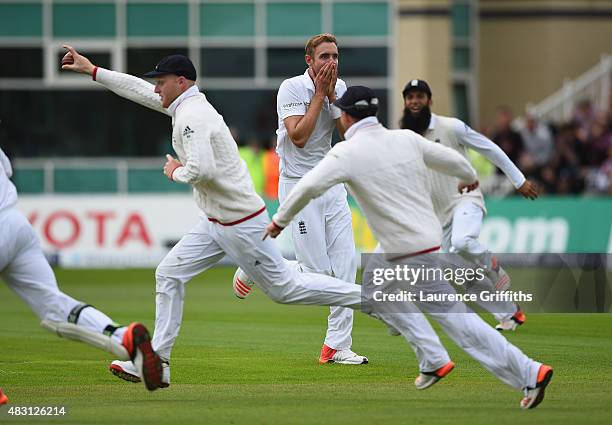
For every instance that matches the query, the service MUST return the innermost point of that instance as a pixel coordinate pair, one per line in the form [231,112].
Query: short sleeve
[289,102]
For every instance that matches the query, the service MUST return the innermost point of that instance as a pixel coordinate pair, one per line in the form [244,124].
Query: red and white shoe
[3,398]
[515,321]
[427,379]
[128,372]
[331,355]
[534,396]
[137,342]
[242,284]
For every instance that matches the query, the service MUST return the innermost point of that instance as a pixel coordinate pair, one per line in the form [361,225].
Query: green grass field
[255,362]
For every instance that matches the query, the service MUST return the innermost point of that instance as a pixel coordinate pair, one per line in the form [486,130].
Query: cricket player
[235,216]
[26,271]
[322,232]
[384,169]
[461,216]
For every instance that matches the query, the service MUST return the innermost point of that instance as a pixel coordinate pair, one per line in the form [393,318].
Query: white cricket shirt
[222,185]
[294,97]
[457,135]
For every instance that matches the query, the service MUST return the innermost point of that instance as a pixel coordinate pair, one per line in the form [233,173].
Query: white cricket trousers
[323,241]
[25,269]
[461,236]
[207,243]
[464,327]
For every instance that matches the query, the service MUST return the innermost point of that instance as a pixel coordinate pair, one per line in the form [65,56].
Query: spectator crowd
[570,158]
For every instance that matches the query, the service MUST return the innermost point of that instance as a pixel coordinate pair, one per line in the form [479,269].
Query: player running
[26,271]
[235,218]
[461,216]
[386,168]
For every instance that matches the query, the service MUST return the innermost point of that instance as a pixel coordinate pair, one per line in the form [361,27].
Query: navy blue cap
[420,85]
[358,100]
[174,64]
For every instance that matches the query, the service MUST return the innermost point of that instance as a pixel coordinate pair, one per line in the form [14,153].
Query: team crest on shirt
[437,140]
[187,132]
[302,227]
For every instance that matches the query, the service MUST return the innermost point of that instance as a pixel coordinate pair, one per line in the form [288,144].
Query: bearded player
[461,216]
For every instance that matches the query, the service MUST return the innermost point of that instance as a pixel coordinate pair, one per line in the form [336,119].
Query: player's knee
[280,294]
[160,274]
[53,305]
[278,297]
[343,263]
[53,312]
[164,280]
[318,270]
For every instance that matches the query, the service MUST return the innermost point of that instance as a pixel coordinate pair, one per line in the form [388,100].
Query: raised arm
[125,85]
[446,160]
[299,119]
[493,153]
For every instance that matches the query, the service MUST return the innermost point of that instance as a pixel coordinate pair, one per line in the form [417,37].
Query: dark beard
[418,123]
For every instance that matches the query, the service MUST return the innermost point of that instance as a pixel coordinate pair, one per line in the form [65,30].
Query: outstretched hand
[79,62]
[529,190]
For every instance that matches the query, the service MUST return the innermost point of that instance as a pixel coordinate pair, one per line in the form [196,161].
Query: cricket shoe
[242,284]
[499,277]
[515,321]
[330,355]
[128,372]
[534,396]
[147,363]
[3,398]
[427,379]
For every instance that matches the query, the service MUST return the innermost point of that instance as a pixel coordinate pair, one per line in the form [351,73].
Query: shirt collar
[432,122]
[308,81]
[366,122]
[190,92]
